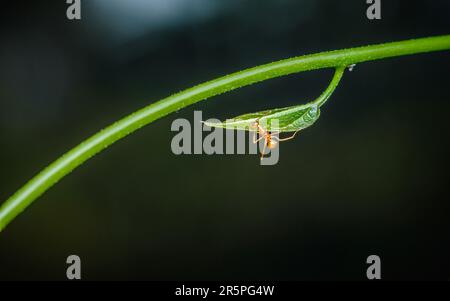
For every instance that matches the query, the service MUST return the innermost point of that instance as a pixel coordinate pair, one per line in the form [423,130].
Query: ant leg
[254,125]
[256,140]
[286,139]
[264,149]
[257,127]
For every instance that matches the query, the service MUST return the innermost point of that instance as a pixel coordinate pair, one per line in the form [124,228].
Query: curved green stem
[322,99]
[79,154]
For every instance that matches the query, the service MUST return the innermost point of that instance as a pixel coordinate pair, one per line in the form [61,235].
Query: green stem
[322,99]
[79,154]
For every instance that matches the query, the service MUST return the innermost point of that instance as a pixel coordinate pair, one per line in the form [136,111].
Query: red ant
[270,140]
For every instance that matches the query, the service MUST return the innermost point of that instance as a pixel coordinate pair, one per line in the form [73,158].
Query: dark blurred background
[370,177]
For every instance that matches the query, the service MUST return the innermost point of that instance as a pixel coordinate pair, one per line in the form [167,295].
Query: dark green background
[371,177]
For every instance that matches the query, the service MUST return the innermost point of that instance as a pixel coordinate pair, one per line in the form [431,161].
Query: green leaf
[289,119]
